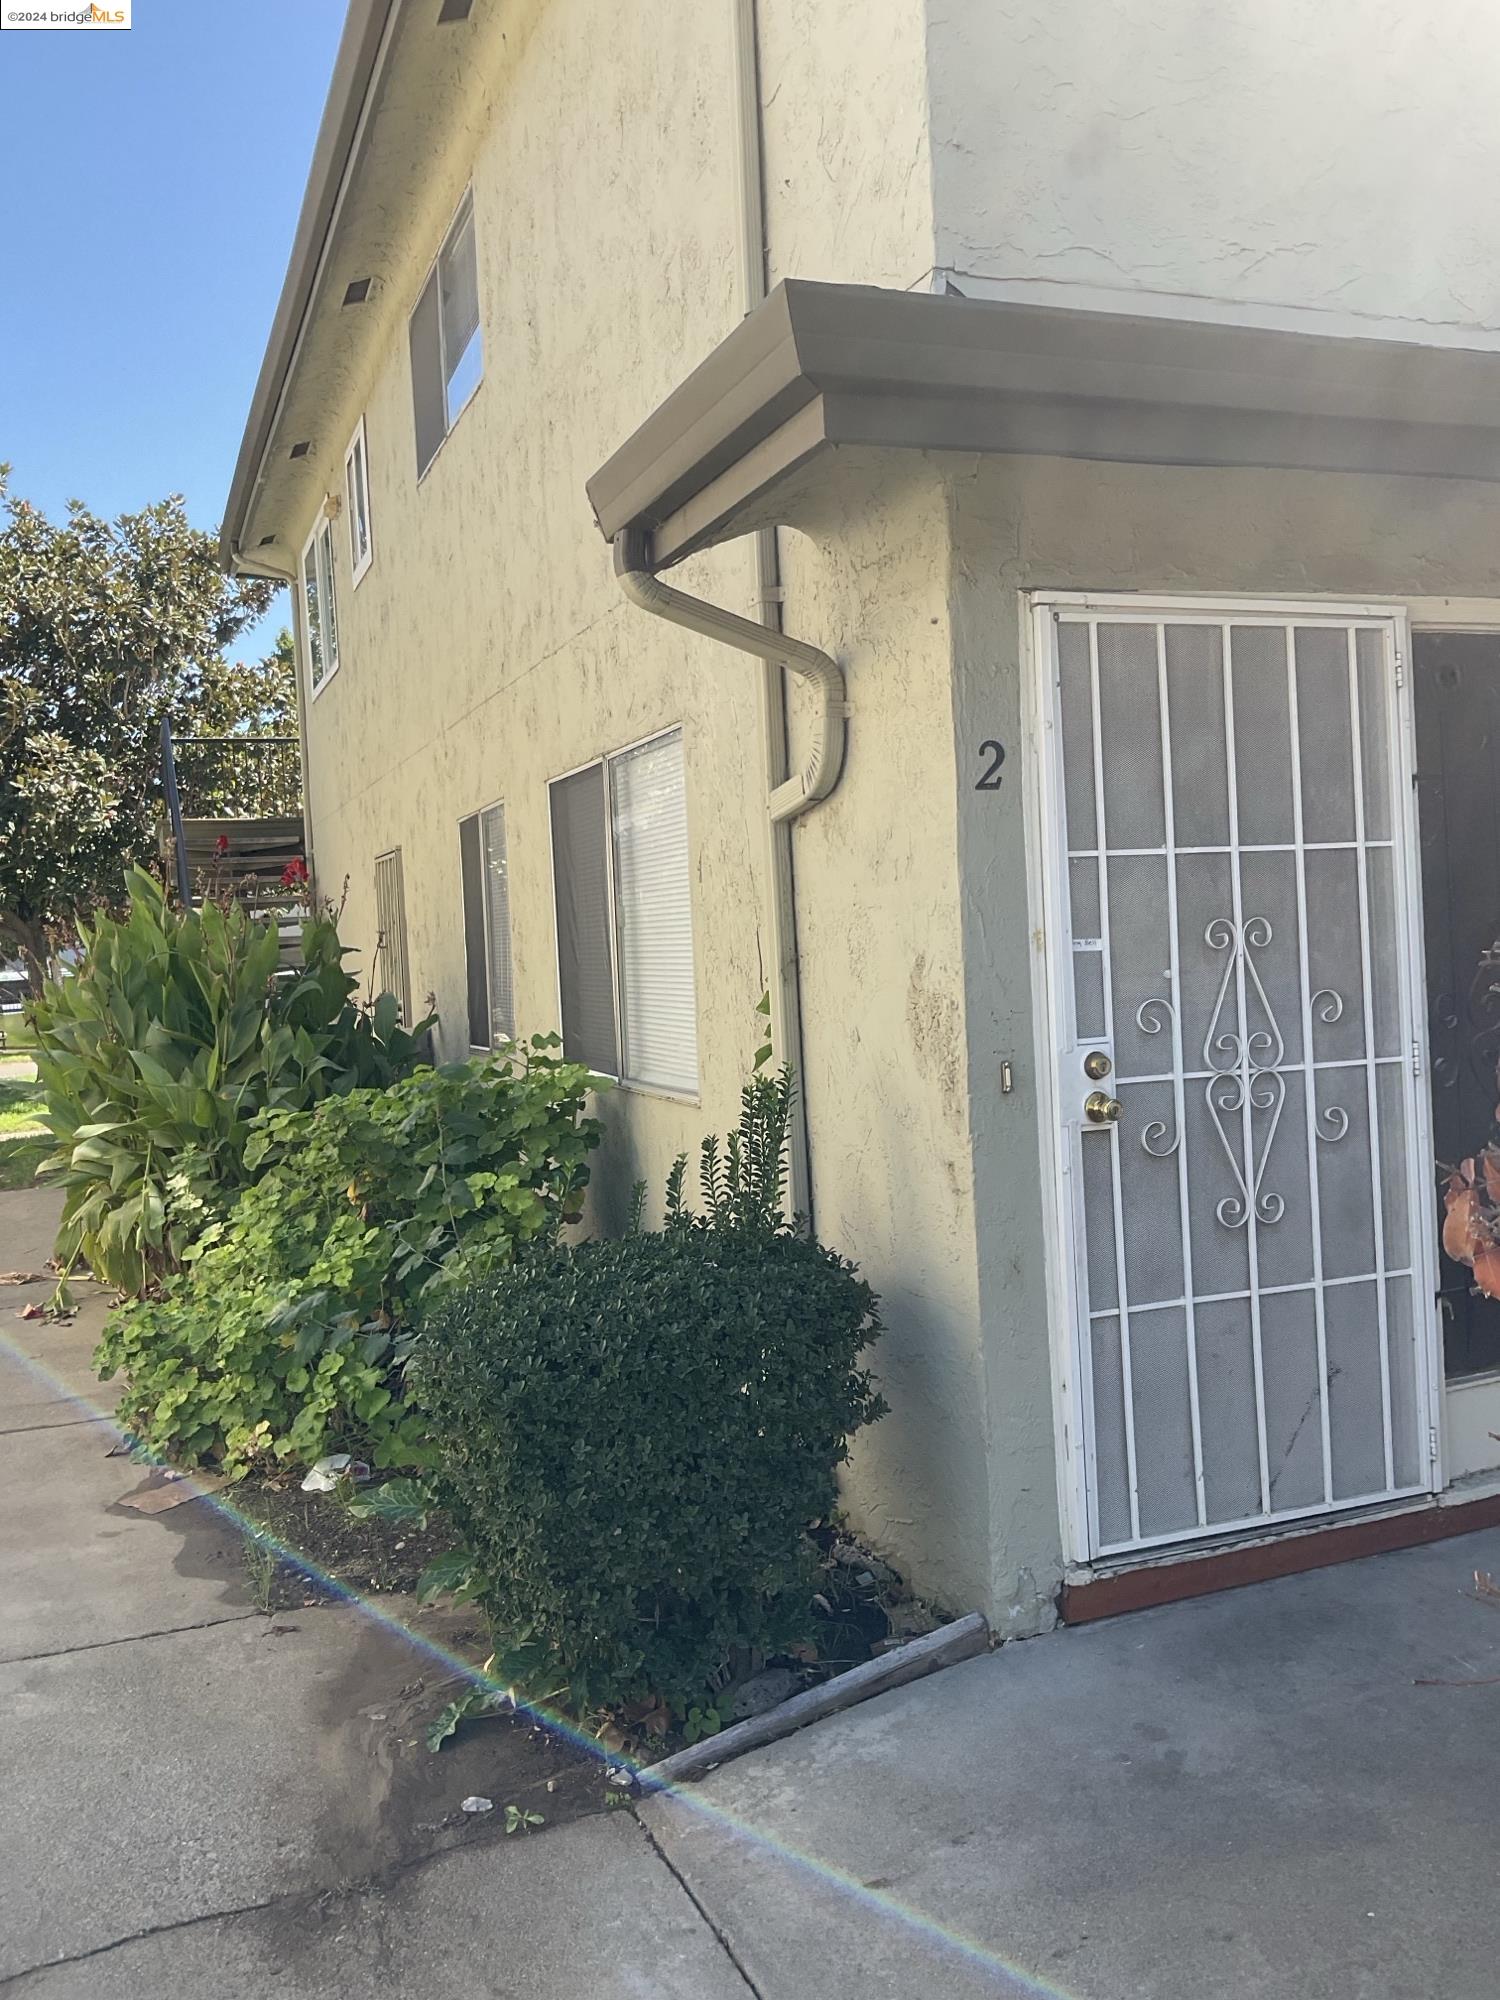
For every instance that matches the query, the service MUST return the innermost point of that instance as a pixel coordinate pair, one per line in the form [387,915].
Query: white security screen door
[1246,1185]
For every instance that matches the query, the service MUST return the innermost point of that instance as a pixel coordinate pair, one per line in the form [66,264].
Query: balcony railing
[233,822]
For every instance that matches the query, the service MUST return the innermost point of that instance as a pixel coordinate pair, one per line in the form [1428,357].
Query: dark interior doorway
[1456,683]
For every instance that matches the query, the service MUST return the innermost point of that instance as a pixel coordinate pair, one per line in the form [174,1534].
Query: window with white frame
[447,350]
[320,623]
[486,890]
[357,501]
[623,888]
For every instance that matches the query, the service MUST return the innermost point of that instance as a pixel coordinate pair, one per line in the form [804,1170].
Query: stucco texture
[883,1025]
[1021,524]
[1336,156]
[489,649]
[848,155]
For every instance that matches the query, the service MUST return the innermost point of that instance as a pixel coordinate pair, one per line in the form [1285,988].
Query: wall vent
[455,10]
[357,292]
[300,450]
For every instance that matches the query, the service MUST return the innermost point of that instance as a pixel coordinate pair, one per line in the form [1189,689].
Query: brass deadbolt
[1097,1065]
[1100,1108]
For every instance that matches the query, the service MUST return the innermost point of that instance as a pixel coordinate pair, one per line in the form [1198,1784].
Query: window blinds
[653,902]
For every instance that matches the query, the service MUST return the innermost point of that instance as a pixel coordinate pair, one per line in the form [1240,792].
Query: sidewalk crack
[138,1937]
[129,1639]
[693,1897]
[67,1424]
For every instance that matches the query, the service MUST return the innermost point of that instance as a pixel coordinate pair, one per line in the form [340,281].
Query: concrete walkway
[1247,1796]
[199,1800]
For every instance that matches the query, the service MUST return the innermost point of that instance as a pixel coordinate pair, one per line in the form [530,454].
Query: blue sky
[153,182]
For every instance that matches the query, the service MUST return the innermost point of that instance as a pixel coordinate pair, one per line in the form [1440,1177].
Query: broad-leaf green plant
[286,1335]
[174,1032]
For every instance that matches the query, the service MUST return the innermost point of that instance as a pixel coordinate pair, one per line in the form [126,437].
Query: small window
[320,625]
[486,887]
[623,887]
[357,500]
[447,351]
[391,973]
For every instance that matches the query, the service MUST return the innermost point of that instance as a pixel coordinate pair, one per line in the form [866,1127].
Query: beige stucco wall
[1029,524]
[488,649]
[847,136]
[883,1021]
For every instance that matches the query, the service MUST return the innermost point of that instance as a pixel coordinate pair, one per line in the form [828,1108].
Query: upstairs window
[447,352]
[623,885]
[320,624]
[486,890]
[357,500]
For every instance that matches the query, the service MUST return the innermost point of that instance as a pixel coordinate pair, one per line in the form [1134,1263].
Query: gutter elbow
[824,763]
[641,585]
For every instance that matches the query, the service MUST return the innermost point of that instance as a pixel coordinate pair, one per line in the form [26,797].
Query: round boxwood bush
[634,1437]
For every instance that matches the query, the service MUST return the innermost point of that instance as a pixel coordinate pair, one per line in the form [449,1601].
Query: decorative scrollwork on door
[1245,1066]
[1158,1138]
[1246,1080]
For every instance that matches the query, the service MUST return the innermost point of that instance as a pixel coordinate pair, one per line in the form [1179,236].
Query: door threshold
[1099,1593]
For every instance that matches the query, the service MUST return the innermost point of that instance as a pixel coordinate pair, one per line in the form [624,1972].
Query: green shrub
[160,1049]
[287,1332]
[633,1437]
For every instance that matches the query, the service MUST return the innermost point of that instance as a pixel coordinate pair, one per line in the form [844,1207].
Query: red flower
[221,845]
[294,875]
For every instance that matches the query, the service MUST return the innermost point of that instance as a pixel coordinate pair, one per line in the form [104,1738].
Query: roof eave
[355,72]
[822,365]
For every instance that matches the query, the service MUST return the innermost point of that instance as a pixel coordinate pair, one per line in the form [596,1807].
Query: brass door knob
[1100,1108]
[1096,1065]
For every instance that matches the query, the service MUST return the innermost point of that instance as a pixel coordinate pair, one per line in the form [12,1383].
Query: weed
[261,1563]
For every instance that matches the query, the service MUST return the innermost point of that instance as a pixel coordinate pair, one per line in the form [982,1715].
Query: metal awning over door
[1241,1151]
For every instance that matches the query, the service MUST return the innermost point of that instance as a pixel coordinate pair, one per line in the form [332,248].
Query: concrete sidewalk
[197,1799]
[1251,1795]
[1248,1795]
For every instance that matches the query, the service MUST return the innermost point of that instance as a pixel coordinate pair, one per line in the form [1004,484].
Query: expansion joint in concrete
[688,1890]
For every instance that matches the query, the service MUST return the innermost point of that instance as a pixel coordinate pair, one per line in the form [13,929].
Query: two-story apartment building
[983,521]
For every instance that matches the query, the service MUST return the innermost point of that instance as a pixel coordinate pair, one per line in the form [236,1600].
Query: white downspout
[788,794]
[824,761]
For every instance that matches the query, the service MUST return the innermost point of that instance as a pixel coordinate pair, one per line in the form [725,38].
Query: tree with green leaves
[242,760]
[107,627]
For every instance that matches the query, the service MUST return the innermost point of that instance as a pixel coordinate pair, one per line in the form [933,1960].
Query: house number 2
[993,754]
